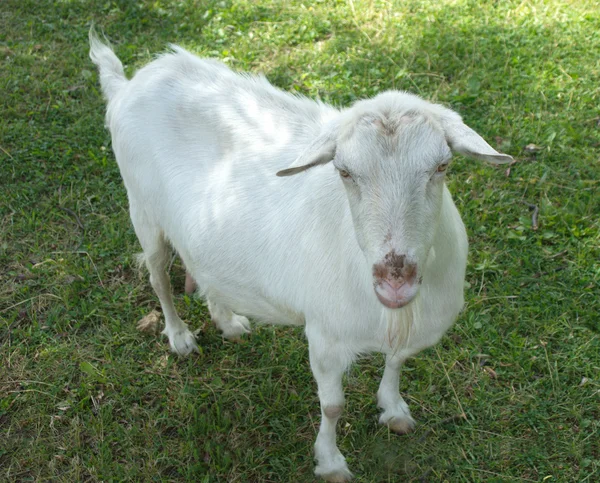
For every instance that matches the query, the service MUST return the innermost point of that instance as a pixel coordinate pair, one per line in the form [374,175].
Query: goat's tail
[112,76]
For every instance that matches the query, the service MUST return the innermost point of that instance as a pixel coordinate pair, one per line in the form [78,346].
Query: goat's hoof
[401,424]
[338,476]
[182,342]
[332,468]
[236,327]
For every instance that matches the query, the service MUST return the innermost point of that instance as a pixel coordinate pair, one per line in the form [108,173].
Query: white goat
[365,248]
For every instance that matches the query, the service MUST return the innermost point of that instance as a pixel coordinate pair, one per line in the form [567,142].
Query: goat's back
[198,147]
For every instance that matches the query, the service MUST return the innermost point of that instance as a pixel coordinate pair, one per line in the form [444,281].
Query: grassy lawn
[85,396]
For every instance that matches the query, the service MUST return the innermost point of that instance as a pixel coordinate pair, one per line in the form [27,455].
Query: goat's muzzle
[395,281]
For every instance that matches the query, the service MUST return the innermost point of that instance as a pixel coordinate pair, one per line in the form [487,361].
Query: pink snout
[394,294]
[395,280]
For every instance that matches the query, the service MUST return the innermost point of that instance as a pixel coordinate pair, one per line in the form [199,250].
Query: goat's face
[391,154]
[393,172]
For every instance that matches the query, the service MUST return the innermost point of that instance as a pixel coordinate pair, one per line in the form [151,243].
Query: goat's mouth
[394,297]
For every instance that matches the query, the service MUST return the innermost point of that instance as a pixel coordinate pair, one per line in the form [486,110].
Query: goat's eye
[344,174]
[442,167]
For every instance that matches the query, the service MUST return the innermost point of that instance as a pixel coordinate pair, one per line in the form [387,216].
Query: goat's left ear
[463,140]
[320,151]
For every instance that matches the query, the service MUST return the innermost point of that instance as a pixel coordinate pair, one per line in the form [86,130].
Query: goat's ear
[320,151]
[463,140]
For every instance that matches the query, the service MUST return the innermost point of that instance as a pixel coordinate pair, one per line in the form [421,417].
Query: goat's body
[198,147]
[194,170]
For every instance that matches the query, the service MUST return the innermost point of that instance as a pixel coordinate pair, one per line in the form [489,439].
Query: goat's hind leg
[232,325]
[156,256]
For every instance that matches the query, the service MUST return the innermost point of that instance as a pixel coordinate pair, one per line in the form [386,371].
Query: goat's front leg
[328,362]
[396,414]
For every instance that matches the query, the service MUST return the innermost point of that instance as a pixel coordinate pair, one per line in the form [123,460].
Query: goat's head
[391,153]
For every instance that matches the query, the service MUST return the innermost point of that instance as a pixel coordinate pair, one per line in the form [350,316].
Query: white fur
[199,147]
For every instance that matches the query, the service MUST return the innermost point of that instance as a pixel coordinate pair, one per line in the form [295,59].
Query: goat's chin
[397,302]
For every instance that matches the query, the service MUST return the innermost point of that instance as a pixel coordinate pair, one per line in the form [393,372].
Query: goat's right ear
[320,151]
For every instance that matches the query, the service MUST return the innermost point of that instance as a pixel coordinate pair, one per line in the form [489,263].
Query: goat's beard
[400,323]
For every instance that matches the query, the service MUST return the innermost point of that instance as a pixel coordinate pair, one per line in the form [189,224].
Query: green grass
[84,396]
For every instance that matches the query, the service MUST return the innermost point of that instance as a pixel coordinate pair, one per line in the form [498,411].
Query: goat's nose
[395,281]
